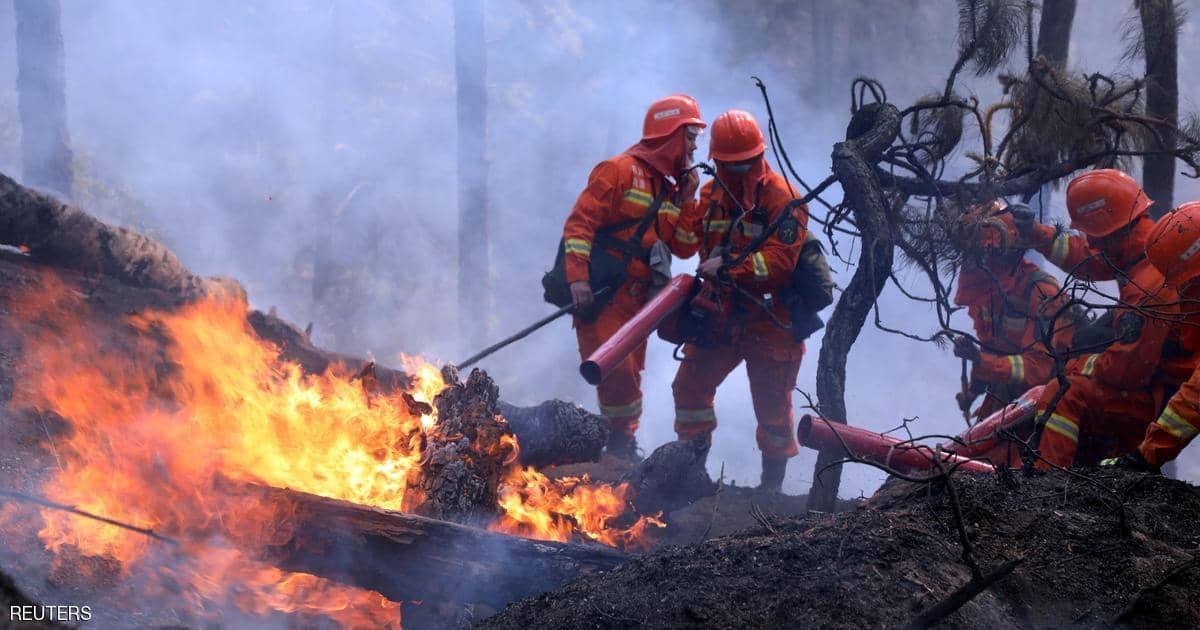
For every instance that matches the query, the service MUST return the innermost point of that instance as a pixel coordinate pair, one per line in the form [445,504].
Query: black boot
[623,446]
[773,470]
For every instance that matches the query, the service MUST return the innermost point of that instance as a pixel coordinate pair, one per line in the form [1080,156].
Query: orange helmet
[735,137]
[1173,246]
[670,113]
[1104,200]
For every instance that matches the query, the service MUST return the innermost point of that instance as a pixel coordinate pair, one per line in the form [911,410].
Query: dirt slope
[883,563]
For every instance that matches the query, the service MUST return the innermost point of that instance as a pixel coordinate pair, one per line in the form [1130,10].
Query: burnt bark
[556,432]
[1159,36]
[63,235]
[872,129]
[41,95]
[406,557]
[474,290]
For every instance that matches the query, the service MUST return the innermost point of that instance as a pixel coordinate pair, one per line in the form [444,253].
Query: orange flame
[158,416]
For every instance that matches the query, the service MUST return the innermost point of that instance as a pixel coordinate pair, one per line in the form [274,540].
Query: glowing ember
[157,419]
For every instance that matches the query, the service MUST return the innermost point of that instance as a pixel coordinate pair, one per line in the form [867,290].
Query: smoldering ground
[307,149]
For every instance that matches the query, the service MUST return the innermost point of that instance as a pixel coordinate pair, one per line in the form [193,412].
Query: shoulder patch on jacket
[789,230]
[1129,326]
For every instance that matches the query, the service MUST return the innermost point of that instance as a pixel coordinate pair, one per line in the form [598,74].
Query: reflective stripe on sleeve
[1062,246]
[760,266]
[578,246]
[719,225]
[1089,365]
[1017,364]
[1063,426]
[669,209]
[1174,424]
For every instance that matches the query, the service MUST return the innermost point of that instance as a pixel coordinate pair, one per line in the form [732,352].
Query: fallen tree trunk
[556,432]
[406,557]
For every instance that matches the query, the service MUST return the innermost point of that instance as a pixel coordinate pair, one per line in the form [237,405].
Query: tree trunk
[1162,97]
[41,95]
[853,164]
[474,291]
[1054,43]
[406,557]
[1054,30]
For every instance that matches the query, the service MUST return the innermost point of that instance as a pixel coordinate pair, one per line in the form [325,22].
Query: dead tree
[872,129]
[1054,30]
[41,95]
[474,290]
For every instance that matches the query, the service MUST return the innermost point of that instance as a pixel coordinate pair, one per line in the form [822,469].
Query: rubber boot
[623,446]
[773,469]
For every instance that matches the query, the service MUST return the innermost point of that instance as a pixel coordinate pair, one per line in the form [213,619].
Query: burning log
[467,453]
[556,432]
[406,557]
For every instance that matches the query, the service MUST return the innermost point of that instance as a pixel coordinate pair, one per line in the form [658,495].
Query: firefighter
[1173,248]
[756,327]
[609,214]
[1011,303]
[1115,393]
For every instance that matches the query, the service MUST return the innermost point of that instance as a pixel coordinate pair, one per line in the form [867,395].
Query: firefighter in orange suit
[752,198]
[1012,304]
[619,192]
[1115,393]
[1174,249]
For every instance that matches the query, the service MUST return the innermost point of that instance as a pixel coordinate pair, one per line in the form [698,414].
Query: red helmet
[1173,246]
[735,137]
[670,113]
[1104,200]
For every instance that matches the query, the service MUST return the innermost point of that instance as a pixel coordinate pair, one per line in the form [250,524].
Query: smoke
[307,149]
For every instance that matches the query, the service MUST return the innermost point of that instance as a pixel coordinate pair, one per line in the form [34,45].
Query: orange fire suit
[1115,393]
[771,354]
[1007,309]
[618,190]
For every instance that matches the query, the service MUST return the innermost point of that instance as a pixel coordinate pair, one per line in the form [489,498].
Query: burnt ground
[883,563]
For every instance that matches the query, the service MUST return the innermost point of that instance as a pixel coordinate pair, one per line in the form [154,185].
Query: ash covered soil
[896,555]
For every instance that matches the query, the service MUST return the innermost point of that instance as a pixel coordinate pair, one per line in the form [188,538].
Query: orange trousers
[620,395]
[772,366]
[1106,421]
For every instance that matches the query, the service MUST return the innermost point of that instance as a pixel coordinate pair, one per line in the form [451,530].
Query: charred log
[466,454]
[65,236]
[672,477]
[406,557]
[556,432]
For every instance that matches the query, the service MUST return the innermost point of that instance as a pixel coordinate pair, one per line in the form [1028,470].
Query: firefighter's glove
[688,184]
[1024,219]
[1132,461]
[581,295]
[965,348]
[710,269]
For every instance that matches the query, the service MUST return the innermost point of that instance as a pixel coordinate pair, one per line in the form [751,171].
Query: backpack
[605,269]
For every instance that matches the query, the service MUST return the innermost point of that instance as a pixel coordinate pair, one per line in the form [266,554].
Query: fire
[161,417]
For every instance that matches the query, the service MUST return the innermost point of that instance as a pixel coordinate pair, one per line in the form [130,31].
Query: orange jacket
[1176,426]
[769,269]
[620,189]
[1071,252]
[1007,309]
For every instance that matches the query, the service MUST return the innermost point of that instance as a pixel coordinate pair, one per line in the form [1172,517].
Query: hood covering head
[667,155]
[744,185]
